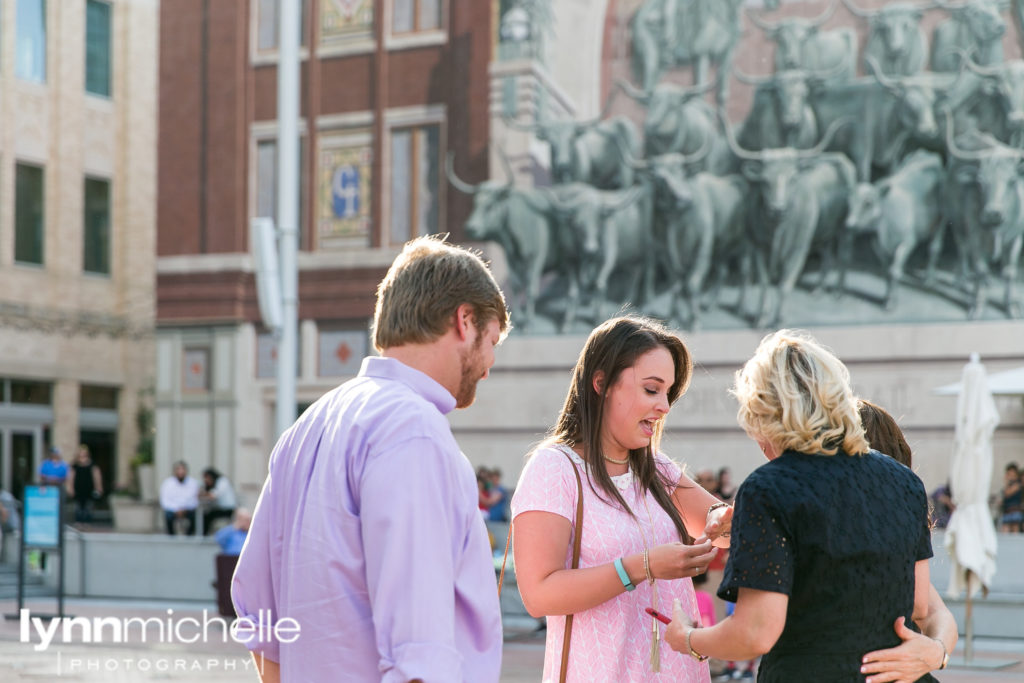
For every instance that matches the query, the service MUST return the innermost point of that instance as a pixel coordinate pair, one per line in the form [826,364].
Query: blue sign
[345,192]
[41,515]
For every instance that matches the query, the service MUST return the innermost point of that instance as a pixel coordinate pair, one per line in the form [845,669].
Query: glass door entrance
[23,461]
[20,453]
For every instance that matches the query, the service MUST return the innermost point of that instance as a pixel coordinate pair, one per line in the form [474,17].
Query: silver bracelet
[945,655]
[715,506]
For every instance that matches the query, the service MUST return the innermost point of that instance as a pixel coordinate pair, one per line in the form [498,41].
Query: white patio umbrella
[971,534]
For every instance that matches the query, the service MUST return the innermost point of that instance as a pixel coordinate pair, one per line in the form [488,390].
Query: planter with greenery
[142,463]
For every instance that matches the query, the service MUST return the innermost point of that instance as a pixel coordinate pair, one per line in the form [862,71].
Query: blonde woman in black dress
[830,541]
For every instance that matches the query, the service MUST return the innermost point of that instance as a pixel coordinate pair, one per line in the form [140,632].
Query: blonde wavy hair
[795,394]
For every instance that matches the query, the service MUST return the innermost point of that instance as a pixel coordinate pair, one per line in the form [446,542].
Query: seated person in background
[499,508]
[705,604]
[179,498]
[54,470]
[487,496]
[9,519]
[706,479]
[218,498]
[726,491]
[942,506]
[1011,507]
[231,538]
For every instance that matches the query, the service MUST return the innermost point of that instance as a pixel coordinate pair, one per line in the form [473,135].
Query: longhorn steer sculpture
[602,232]
[985,203]
[705,224]
[520,221]
[589,151]
[898,214]
[896,39]
[975,28]
[680,32]
[800,45]
[802,201]
[679,120]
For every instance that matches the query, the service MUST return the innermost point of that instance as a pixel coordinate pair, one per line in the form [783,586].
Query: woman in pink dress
[641,514]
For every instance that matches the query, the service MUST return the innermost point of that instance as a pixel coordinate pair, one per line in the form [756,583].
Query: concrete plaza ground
[523,660]
[224,661]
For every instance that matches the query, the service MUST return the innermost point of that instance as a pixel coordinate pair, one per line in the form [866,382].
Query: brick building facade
[388,89]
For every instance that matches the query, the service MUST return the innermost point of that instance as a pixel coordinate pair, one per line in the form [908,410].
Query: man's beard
[472,372]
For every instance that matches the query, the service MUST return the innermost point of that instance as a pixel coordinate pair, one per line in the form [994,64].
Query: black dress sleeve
[761,552]
[924,541]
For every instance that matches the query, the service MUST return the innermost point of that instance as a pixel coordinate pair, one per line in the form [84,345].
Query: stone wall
[897,366]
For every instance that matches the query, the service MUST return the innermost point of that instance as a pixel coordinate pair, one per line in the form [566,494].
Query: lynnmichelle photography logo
[250,631]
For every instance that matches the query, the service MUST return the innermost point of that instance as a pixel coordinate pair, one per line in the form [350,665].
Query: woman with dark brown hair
[641,514]
[918,654]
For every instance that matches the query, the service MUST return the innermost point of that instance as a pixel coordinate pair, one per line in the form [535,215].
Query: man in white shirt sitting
[179,498]
[217,498]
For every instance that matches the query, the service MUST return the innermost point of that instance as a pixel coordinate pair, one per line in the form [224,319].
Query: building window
[266,179]
[266,356]
[344,19]
[341,352]
[414,182]
[96,237]
[195,369]
[98,397]
[409,16]
[29,392]
[268,22]
[97,47]
[343,204]
[30,41]
[28,214]
[266,185]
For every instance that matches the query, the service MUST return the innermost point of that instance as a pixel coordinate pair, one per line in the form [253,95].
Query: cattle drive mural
[874,171]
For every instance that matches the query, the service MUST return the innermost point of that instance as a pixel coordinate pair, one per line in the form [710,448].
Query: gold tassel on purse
[655,647]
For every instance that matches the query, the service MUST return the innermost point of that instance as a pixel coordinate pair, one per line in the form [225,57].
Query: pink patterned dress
[611,642]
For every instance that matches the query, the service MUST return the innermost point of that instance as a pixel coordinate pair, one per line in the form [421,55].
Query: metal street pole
[288,208]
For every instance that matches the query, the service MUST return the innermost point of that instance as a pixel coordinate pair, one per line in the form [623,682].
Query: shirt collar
[420,382]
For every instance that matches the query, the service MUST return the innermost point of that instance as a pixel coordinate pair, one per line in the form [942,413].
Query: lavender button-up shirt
[368,535]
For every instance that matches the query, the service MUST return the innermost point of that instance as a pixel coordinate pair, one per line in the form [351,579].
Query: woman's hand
[719,526]
[675,633]
[678,561]
[907,662]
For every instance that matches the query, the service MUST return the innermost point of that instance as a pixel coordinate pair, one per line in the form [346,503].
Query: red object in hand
[658,615]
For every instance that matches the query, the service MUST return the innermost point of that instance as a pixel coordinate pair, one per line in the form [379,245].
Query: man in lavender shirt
[367,533]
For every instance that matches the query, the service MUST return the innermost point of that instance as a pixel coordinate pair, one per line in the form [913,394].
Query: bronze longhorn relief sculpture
[891,177]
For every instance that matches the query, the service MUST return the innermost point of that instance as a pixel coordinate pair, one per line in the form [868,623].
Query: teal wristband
[623,576]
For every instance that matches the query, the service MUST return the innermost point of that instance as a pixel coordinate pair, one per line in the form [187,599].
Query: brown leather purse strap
[501,576]
[575,563]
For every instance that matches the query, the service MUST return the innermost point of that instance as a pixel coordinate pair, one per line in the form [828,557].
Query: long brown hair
[612,347]
[883,434]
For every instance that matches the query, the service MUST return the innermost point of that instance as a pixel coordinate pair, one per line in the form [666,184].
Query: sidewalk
[523,661]
[153,656]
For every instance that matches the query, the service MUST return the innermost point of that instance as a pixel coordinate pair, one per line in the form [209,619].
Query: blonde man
[367,533]
[830,540]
